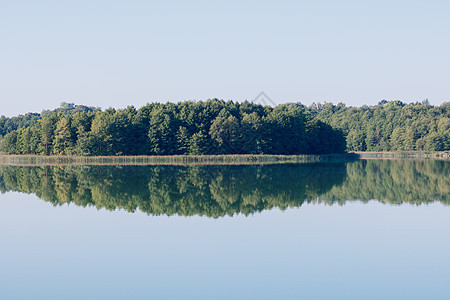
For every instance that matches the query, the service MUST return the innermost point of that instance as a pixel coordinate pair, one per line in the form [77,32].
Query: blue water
[354,251]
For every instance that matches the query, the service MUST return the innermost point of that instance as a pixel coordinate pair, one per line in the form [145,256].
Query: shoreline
[403,154]
[242,159]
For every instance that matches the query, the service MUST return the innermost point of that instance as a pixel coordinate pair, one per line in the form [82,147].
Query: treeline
[8,125]
[216,191]
[211,127]
[219,127]
[389,126]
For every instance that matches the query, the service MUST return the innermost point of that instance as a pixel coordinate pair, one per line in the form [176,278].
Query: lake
[366,229]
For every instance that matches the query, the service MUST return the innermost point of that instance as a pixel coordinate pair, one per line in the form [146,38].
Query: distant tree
[25,142]
[62,143]
[183,140]
[285,131]
[162,133]
[252,134]
[9,143]
[436,142]
[391,125]
[47,130]
[199,144]
[225,134]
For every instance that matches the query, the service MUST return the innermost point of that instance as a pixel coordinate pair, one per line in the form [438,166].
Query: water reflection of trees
[204,190]
[394,181]
[216,191]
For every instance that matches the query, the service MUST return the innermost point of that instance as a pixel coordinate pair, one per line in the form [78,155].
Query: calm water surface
[377,229]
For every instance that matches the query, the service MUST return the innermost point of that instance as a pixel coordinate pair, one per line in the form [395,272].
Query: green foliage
[25,143]
[182,140]
[199,144]
[252,131]
[226,135]
[62,142]
[70,109]
[219,127]
[162,132]
[211,127]
[31,119]
[8,125]
[285,131]
[47,131]
[9,143]
[389,126]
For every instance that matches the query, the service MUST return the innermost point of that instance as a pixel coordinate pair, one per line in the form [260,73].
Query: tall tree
[62,143]
[199,144]
[9,143]
[162,133]
[47,130]
[225,134]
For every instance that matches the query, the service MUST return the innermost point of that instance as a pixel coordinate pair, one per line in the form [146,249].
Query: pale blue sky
[119,53]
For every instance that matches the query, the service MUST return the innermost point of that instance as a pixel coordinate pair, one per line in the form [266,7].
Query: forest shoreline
[142,160]
[243,159]
[402,154]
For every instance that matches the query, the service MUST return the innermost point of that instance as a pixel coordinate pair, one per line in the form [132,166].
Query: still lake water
[376,229]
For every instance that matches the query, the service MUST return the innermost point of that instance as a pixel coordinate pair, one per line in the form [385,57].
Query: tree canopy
[228,127]
[210,127]
[390,125]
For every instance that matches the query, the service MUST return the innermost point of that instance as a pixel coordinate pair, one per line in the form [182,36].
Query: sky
[120,53]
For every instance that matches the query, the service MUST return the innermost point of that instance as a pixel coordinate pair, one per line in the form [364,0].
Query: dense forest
[389,126]
[211,127]
[216,191]
[219,127]
[8,125]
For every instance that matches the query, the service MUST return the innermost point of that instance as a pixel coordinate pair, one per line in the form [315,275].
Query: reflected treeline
[216,191]
[394,181]
[213,191]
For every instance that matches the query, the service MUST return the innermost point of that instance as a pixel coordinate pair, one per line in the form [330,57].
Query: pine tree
[62,141]
[182,140]
[199,144]
[47,128]
[9,143]
[24,141]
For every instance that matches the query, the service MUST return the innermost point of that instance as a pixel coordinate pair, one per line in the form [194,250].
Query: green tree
[62,143]
[27,141]
[162,133]
[100,138]
[252,134]
[182,140]
[47,128]
[9,143]
[225,134]
[286,131]
[199,144]
[435,142]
